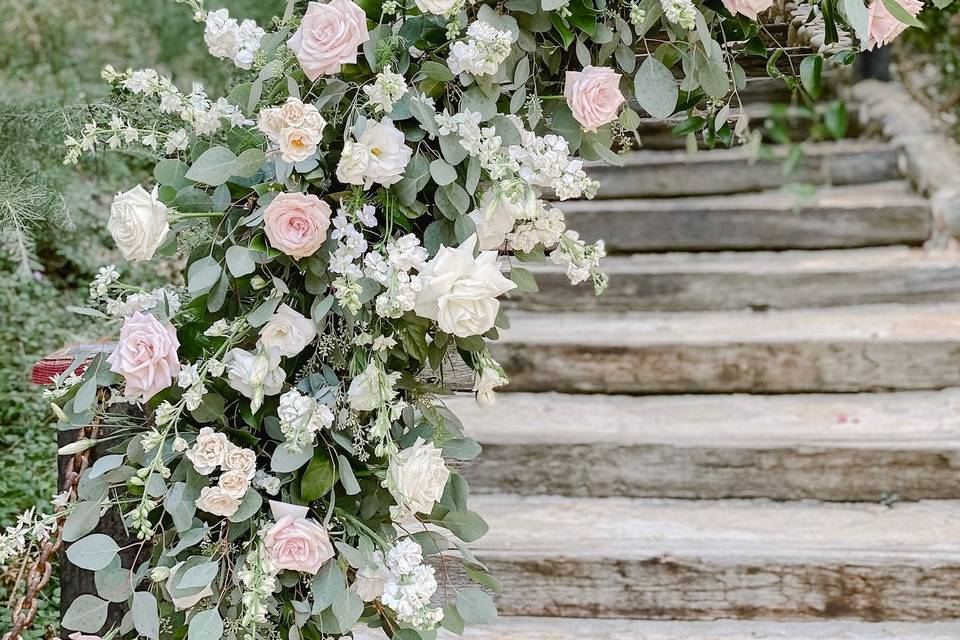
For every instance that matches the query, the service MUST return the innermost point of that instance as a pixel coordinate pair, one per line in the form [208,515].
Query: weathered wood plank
[702,560]
[758,280]
[661,174]
[851,349]
[838,217]
[859,447]
[520,628]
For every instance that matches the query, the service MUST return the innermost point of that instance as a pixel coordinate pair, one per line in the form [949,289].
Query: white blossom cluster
[580,260]
[410,586]
[166,300]
[226,38]
[386,90]
[345,261]
[680,12]
[544,226]
[482,143]
[266,482]
[545,162]
[482,53]
[393,272]
[100,285]
[301,417]
[30,527]
[258,577]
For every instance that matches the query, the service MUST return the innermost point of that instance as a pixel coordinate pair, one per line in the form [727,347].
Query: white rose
[208,451]
[488,380]
[293,111]
[241,460]
[234,484]
[138,223]
[437,7]
[460,292]
[370,579]
[353,163]
[218,502]
[416,477]
[497,215]
[288,331]
[388,150]
[297,144]
[372,388]
[255,375]
[271,122]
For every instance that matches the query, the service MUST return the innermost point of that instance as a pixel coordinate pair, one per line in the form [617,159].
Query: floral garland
[352,214]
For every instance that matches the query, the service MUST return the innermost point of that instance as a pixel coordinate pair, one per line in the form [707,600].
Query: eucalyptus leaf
[93,552]
[205,625]
[240,260]
[146,615]
[86,614]
[476,606]
[213,167]
[105,464]
[347,607]
[327,585]
[114,583]
[284,460]
[656,89]
[83,518]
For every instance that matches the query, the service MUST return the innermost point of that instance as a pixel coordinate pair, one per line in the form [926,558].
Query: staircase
[754,434]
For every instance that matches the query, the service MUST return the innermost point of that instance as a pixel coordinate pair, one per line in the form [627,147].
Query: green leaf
[483,578]
[461,449]
[466,525]
[327,585]
[902,15]
[85,396]
[206,625]
[114,583]
[476,607]
[104,464]
[249,506]
[248,163]
[83,518]
[171,172]
[452,621]
[146,616]
[213,167]
[240,261]
[442,173]
[319,477]
[180,503]
[284,460]
[811,70]
[656,89]
[347,608]
[94,552]
[857,18]
[86,614]
[436,71]
[197,577]
[203,274]
[524,280]
[347,479]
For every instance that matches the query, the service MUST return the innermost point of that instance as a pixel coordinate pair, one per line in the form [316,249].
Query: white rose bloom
[416,478]
[288,331]
[460,292]
[208,451]
[296,144]
[218,502]
[497,214]
[234,484]
[255,375]
[353,163]
[372,388]
[438,7]
[271,122]
[370,579]
[138,223]
[488,380]
[241,460]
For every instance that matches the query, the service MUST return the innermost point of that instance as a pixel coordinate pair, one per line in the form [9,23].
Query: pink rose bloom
[748,8]
[297,223]
[593,95]
[882,27]
[296,542]
[146,355]
[329,36]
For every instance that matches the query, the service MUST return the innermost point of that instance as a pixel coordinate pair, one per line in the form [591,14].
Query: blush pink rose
[882,27]
[297,223]
[748,8]
[146,355]
[593,95]
[298,544]
[329,37]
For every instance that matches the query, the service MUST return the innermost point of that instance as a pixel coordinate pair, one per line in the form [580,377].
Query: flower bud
[159,574]
[179,444]
[76,447]
[258,283]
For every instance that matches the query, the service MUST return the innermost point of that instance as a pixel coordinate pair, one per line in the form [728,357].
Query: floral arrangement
[274,436]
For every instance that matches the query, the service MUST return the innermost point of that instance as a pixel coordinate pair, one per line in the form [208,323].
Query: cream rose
[380,155]
[145,355]
[297,144]
[460,292]
[217,501]
[209,451]
[416,477]
[298,543]
[138,223]
[882,27]
[497,214]
[437,7]
[329,37]
[287,331]
[255,375]
[748,8]
[234,484]
[241,460]
[296,223]
[593,96]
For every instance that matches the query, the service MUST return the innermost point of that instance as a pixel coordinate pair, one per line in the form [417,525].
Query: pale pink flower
[146,355]
[882,27]
[296,223]
[296,542]
[329,36]
[748,8]
[593,96]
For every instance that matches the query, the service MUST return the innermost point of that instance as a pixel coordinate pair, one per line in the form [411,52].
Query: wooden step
[702,560]
[661,174]
[757,280]
[843,447]
[880,213]
[848,349]
[579,629]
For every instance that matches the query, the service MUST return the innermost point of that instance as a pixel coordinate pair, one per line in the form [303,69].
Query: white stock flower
[300,418]
[208,451]
[460,291]
[416,477]
[288,331]
[255,375]
[386,90]
[372,388]
[481,54]
[497,214]
[138,223]
[680,12]
[226,38]
[379,155]
[371,578]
